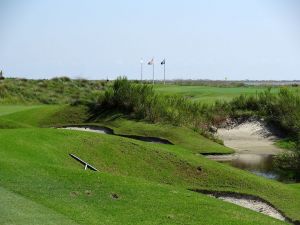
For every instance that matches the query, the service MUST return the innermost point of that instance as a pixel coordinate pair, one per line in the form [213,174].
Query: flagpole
[165,73]
[142,69]
[153,73]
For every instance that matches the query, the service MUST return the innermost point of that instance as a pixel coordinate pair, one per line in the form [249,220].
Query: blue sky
[249,39]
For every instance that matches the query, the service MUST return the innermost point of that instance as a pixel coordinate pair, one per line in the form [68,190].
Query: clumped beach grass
[59,90]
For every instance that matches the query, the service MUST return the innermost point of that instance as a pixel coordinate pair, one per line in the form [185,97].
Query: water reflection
[253,162]
[253,142]
[259,164]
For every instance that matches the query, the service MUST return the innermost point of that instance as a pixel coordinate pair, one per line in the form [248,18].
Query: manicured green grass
[208,94]
[296,186]
[41,171]
[17,209]
[44,116]
[30,117]
[180,136]
[8,109]
[151,180]
[286,144]
[60,115]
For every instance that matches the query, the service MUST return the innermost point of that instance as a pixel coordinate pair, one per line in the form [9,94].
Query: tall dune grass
[59,90]
[141,102]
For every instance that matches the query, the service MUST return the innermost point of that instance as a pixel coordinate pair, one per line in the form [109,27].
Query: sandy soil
[255,205]
[85,129]
[250,138]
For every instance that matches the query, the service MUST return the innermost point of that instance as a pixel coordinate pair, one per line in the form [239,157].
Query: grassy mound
[9,109]
[21,210]
[137,182]
[122,193]
[180,136]
[44,116]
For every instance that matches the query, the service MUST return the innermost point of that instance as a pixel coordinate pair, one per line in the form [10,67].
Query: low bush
[282,109]
[141,102]
[288,163]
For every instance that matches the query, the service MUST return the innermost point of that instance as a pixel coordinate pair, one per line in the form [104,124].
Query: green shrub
[288,163]
[282,109]
[141,102]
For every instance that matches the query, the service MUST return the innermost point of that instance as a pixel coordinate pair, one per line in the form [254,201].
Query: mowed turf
[208,94]
[65,115]
[149,180]
[16,209]
[181,136]
[123,192]
[8,109]
[43,116]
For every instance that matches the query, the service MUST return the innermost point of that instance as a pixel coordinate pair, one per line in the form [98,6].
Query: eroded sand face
[254,148]
[249,138]
[101,131]
[255,205]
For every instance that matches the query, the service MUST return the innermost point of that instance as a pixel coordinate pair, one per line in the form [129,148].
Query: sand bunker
[247,201]
[254,147]
[253,204]
[106,130]
[99,130]
[249,137]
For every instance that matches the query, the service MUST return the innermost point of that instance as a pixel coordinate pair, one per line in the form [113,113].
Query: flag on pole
[163,63]
[151,62]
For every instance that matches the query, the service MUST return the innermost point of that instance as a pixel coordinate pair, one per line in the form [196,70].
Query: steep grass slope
[8,109]
[54,115]
[17,209]
[44,116]
[180,136]
[150,181]
[35,164]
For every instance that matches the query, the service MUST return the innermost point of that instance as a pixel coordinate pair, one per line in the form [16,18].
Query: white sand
[85,129]
[250,138]
[254,205]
